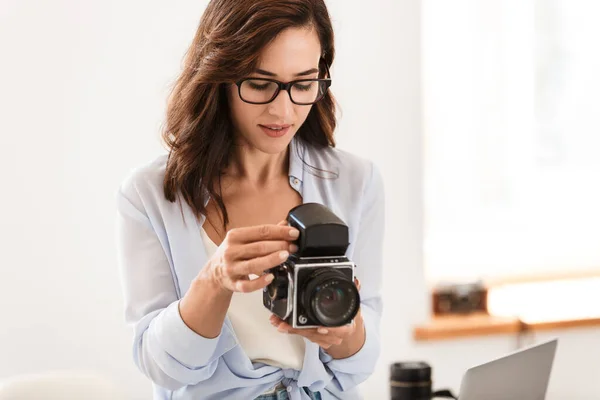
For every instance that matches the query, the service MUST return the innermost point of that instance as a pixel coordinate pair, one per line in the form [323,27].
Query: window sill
[481,324]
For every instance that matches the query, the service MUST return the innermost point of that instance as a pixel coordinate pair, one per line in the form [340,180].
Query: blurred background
[482,115]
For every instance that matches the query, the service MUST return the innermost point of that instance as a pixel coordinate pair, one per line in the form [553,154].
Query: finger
[341,331]
[252,285]
[262,232]
[332,334]
[357,283]
[326,339]
[275,320]
[323,340]
[282,223]
[259,264]
[315,337]
[282,326]
[259,249]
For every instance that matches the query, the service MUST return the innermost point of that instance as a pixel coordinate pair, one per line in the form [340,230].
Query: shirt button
[296,181]
[289,389]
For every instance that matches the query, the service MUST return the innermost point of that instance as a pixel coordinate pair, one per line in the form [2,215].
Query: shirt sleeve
[350,372]
[164,348]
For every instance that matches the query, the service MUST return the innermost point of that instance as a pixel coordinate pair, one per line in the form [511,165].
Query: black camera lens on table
[412,381]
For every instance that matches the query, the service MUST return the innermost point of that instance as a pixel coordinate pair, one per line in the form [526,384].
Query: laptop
[521,375]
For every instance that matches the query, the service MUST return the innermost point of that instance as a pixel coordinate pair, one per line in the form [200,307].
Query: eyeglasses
[302,91]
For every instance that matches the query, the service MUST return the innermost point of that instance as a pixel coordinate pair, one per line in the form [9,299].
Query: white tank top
[259,339]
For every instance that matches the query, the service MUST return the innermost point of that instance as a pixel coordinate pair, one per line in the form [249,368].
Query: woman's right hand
[250,251]
[244,252]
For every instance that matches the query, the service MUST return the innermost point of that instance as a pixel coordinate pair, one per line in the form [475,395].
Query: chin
[271,145]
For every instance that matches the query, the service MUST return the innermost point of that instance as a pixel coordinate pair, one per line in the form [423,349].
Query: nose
[282,106]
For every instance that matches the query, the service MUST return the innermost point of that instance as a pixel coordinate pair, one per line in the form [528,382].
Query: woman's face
[293,55]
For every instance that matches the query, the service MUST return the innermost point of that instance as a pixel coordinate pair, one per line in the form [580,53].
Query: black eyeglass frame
[287,87]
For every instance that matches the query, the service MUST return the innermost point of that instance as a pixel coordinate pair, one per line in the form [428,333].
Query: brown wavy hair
[198,131]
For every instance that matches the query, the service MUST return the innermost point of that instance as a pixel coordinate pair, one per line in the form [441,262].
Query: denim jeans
[282,394]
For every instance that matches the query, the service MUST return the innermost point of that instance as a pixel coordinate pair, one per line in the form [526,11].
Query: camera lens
[410,381]
[331,302]
[330,297]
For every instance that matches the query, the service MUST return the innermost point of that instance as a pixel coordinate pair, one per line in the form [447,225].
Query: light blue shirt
[160,251]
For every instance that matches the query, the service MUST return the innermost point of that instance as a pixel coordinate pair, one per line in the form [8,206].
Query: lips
[274,130]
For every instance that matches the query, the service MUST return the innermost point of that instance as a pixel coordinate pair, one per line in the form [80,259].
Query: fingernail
[270,277]
[323,331]
[284,255]
[294,233]
[282,330]
[293,248]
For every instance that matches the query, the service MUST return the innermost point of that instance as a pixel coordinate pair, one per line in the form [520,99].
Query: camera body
[315,286]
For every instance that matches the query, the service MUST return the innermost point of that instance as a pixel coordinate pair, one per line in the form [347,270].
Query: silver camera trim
[290,304]
[332,264]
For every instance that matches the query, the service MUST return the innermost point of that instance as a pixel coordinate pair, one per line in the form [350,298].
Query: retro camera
[315,286]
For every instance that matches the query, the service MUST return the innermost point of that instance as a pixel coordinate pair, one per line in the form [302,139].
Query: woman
[249,129]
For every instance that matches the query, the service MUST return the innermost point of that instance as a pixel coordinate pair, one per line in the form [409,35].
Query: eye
[257,85]
[304,87]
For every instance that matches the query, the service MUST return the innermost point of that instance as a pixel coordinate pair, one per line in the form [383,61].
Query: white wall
[83,88]
[82,100]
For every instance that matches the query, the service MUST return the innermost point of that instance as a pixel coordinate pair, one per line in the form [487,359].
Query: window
[512,138]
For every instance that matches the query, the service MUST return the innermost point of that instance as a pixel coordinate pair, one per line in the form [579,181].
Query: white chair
[60,385]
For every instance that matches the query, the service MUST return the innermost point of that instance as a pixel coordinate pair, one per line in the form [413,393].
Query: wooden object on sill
[475,324]
[482,324]
[569,323]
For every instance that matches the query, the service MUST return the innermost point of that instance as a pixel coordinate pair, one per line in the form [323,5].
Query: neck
[258,168]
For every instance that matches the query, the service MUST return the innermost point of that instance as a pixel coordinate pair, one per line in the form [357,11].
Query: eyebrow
[267,73]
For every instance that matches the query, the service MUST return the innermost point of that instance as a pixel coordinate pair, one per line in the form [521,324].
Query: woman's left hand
[340,342]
